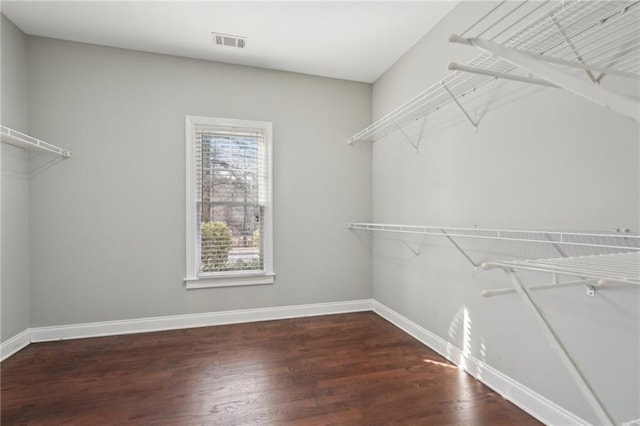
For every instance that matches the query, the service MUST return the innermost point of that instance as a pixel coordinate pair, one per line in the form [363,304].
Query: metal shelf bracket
[627,107]
[464,253]
[555,342]
[416,252]
[473,123]
[415,145]
[566,38]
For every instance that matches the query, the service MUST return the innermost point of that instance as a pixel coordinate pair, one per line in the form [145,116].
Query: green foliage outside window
[215,240]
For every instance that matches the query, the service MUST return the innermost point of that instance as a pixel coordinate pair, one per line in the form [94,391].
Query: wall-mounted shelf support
[464,253]
[599,270]
[413,144]
[556,246]
[453,97]
[535,64]
[416,252]
[575,51]
[22,140]
[554,341]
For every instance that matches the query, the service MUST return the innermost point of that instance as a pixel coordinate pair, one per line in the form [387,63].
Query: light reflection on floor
[442,364]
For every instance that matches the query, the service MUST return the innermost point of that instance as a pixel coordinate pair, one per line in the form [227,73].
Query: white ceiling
[348,40]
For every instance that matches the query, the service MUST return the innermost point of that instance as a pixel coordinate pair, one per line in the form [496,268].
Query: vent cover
[229,40]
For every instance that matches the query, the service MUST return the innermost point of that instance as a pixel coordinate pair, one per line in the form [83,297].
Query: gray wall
[14,280]
[542,159]
[108,225]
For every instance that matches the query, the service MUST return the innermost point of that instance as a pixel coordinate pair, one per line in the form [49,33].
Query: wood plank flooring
[347,369]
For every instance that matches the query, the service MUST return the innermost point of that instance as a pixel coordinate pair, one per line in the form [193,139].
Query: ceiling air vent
[229,40]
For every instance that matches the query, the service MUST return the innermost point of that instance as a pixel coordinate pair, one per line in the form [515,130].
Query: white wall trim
[533,403]
[228,281]
[142,325]
[14,344]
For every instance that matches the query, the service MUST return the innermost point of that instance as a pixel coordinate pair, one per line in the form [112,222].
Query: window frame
[194,279]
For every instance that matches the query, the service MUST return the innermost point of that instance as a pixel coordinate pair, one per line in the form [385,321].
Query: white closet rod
[22,140]
[503,291]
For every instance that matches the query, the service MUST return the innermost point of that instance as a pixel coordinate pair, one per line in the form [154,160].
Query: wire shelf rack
[590,34]
[22,140]
[620,267]
[594,37]
[615,241]
[593,271]
[430,100]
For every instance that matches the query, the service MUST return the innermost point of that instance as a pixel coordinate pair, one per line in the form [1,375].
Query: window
[229,217]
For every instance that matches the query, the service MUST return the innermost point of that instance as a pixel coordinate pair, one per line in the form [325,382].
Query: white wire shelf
[22,140]
[620,267]
[597,37]
[594,38]
[592,271]
[428,101]
[617,241]
[590,34]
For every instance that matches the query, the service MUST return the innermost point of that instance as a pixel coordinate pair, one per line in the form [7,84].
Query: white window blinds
[231,191]
[229,217]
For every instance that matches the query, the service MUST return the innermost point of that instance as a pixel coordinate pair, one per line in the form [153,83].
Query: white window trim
[193,279]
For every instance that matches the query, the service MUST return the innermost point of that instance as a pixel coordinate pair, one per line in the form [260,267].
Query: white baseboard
[533,403]
[142,325]
[14,344]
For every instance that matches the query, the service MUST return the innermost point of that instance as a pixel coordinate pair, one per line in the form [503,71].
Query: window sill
[228,281]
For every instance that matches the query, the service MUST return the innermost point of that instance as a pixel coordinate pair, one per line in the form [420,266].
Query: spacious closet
[482,194]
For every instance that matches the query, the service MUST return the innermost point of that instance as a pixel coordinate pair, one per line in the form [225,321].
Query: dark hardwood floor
[348,369]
